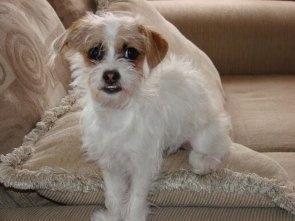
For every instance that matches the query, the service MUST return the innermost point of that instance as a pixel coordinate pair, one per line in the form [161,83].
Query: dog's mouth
[112,89]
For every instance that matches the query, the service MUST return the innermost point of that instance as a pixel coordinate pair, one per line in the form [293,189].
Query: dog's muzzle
[111,79]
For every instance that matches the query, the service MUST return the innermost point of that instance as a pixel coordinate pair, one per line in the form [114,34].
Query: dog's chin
[114,97]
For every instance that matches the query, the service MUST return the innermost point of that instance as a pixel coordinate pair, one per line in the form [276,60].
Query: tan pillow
[70,10]
[51,162]
[27,85]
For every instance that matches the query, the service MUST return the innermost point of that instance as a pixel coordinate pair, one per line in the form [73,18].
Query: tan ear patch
[156,46]
[60,42]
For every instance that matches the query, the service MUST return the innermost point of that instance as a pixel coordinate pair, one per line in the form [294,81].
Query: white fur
[168,107]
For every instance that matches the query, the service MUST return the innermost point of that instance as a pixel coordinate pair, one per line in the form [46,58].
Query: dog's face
[110,56]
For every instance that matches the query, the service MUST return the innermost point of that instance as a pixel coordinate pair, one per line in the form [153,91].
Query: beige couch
[47,177]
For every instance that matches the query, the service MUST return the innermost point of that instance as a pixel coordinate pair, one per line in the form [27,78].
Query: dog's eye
[96,53]
[131,53]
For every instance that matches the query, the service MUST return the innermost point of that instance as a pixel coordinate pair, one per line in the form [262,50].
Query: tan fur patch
[131,37]
[156,46]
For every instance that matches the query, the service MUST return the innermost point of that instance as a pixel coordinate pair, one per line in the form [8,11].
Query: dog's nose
[111,76]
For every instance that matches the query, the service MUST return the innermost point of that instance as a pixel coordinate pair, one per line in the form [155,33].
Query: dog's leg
[210,145]
[142,177]
[115,191]
[137,208]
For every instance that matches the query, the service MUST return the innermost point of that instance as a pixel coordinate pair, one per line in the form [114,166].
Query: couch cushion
[48,213]
[27,84]
[12,198]
[262,110]
[81,213]
[52,162]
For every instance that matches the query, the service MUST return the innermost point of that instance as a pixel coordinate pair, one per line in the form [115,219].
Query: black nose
[111,76]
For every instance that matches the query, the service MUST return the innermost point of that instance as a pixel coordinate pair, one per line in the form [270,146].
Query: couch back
[241,37]
[27,85]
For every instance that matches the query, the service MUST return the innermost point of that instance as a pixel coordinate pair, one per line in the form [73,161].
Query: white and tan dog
[139,102]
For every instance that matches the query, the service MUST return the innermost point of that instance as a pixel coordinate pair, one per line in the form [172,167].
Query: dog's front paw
[103,216]
[203,163]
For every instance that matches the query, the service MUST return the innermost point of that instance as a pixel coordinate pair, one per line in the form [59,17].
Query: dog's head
[110,56]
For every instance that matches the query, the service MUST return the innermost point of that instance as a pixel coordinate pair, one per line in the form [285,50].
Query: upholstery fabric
[262,110]
[81,213]
[71,10]
[286,160]
[20,198]
[241,37]
[55,213]
[27,85]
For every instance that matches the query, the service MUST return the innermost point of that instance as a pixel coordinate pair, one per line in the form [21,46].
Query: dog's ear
[60,43]
[57,47]
[156,46]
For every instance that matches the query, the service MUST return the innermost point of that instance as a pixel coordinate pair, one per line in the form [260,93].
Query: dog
[140,100]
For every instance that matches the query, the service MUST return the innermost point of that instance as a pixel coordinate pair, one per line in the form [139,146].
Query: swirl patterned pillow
[27,85]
